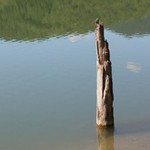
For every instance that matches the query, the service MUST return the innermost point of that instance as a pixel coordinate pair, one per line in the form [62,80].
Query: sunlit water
[48,94]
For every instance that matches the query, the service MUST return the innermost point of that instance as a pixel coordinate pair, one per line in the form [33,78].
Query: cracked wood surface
[104,111]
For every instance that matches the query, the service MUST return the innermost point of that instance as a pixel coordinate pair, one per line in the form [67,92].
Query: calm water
[48,94]
[48,86]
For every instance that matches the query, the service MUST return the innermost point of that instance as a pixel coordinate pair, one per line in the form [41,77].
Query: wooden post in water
[104,110]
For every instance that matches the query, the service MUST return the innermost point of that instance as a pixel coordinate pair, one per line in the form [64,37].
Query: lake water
[48,93]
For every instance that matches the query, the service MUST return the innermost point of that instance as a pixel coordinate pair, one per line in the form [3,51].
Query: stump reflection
[105,137]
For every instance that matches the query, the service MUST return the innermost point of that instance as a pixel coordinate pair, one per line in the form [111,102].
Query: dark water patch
[134,28]
[142,126]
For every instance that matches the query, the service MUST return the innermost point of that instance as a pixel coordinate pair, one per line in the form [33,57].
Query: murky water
[48,75]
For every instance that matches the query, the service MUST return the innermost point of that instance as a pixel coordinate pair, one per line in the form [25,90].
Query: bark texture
[104,111]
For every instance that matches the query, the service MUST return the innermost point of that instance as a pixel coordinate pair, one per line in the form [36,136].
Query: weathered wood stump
[104,111]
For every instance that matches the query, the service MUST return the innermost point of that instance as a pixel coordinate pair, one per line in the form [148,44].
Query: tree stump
[104,111]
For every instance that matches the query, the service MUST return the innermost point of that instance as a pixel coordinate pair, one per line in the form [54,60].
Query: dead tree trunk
[104,111]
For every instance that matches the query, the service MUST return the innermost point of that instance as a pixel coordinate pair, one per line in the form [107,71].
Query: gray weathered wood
[104,111]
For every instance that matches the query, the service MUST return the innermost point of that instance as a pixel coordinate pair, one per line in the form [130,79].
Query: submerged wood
[104,111]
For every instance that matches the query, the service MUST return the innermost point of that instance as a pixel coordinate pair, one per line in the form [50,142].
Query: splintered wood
[104,110]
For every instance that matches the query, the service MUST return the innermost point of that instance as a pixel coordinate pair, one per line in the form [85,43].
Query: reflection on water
[48,94]
[137,27]
[105,137]
[32,20]
[48,87]
[133,67]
